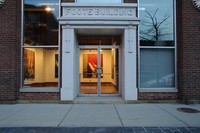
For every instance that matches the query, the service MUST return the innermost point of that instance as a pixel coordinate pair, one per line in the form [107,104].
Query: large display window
[157,44]
[40,49]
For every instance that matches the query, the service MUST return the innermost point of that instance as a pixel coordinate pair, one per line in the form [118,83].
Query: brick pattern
[39,96]
[188,51]
[10,35]
[157,96]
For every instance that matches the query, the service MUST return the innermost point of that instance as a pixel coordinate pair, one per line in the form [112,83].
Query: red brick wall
[188,51]
[40,96]
[10,20]
[10,52]
[157,96]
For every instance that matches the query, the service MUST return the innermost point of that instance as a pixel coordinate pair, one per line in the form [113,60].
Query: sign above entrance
[102,11]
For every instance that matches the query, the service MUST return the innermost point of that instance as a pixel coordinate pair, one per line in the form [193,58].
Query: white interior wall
[39,63]
[49,66]
[114,81]
[107,71]
[44,65]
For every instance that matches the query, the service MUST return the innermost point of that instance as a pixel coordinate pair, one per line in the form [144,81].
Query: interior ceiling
[99,32]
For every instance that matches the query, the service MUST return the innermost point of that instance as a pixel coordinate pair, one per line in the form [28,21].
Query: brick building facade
[188,56]
[10,50]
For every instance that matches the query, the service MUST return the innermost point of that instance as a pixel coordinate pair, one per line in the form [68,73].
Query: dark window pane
[156,43]
[40,22]
[99,40]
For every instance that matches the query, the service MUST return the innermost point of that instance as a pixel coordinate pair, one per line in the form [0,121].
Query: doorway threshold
[99,100]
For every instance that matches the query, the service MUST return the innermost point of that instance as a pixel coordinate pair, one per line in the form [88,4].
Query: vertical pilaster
[67,90]
[130,64]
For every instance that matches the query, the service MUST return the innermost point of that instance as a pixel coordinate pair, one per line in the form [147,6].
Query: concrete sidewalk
[98,115]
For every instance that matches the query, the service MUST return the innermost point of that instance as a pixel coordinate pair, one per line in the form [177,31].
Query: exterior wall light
[196,4]
[48,9]
[1,2]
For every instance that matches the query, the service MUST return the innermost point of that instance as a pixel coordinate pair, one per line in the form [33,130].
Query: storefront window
[157,44]
[99,1]
[40,48]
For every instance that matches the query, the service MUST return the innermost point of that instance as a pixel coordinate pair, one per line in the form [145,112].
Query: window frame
[173,89]
[38,89]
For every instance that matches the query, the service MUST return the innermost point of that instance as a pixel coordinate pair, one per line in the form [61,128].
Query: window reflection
[157,65]
[157,26]
[157,68]
[40,22]
[99,1]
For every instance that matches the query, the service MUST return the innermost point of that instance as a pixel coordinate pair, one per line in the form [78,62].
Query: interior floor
[92,88]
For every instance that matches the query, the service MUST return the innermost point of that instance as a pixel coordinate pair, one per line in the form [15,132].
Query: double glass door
[99,72]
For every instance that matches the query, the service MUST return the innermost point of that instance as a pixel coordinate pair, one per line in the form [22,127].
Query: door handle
[99,71]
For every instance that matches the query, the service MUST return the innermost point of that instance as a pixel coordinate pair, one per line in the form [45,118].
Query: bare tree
[153,30]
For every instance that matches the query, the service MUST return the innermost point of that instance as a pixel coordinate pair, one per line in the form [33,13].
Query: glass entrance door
[99,74]
[88,71]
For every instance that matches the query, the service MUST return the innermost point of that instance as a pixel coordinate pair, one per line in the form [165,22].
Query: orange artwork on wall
[29,64]
[91,62]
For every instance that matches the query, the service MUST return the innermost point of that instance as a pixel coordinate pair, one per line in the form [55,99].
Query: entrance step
[99,100]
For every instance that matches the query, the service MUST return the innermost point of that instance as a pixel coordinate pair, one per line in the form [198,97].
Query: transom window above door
[98,1]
